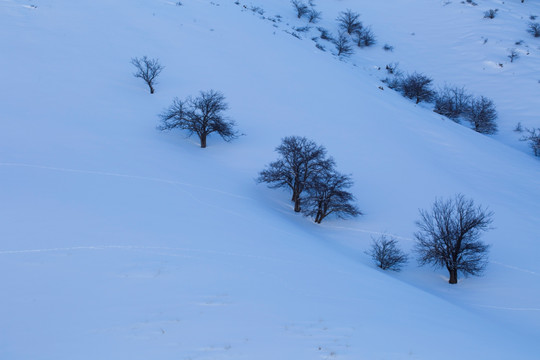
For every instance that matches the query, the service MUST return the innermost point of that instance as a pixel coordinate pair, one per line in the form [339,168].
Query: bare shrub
[533,137]
[349,21]
[392,68]
[482,115]
[325,34]
[302,29]
[452,102]
[327,195]
[394,82]
[313,16]
[386,254]
[364,37]
[343,46]
[300,7]
[490,14]
[534,29]
[417,87]
[513,55]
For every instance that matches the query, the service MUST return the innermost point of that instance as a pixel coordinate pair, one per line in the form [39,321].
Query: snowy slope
[119,241]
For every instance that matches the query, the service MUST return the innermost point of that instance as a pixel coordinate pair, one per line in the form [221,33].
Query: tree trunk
[297,204]
[151,88]
[203,141]
[453,276]
[318,217]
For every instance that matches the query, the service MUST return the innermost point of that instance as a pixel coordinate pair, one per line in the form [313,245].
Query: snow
[119,241]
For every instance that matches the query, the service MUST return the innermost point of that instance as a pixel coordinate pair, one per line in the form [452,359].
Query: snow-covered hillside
[119,241]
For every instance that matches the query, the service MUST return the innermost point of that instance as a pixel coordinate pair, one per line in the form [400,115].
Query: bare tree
[452,102]
[148,70]
[417,86]
[313,16]
[513,55]
[349,21]
[343,46]
[364,37]
[300,7]
[386,254]
[326,194]
[482,115]
[300,160]
[202,115]
[534,29]
[533,137]
[449,236]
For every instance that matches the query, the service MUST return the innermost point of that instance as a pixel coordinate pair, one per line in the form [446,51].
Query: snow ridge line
[104,173]
[508,308]
[127,247]
[516,268]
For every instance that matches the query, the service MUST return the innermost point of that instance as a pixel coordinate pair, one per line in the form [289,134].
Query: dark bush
[417,87]
[343,46]
[482,115]
[452,102]
[533,137]
[534,29]
[349,22]
[490,14]
[386,254]
[327,194]
[313,16]
[300,7]
[513,55]
[364,37]
[325,34]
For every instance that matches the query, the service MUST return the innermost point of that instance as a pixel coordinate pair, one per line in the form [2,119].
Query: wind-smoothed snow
[119,241]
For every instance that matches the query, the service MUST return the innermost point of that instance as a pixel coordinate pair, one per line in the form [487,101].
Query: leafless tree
[300,7]
[418,87]
[343,46]
[386,254]
[202,115]
[313,16]
[349,21]
[364,37]
[534,29]
[300,160]
[513,55]
[327,194]
[148,70]
[533,137]
[452,102]
[449,236]
[482,115]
